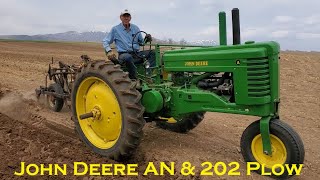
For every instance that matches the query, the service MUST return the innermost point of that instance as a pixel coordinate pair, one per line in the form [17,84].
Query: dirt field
[30,132]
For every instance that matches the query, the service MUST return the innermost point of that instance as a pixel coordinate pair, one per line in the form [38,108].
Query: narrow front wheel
[287,147]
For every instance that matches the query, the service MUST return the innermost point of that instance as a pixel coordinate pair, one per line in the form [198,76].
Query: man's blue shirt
[123,38]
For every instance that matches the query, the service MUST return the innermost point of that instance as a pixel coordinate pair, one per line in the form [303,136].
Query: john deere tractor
[188,81]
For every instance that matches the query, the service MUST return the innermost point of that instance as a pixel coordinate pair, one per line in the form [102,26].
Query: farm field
[32,133]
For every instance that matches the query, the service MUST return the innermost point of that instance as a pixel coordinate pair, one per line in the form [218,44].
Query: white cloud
[172,5]
[101,27]
[308,36]
[279,34]
[253,32]
[207,2]
[311,20]
[281,1]
[283,19]
[211,30]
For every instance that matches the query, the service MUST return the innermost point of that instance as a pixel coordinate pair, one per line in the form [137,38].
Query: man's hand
[111,55]
[148,38]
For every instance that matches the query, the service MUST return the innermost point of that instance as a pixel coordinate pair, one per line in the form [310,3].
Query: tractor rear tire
[55,103]
[117,132]
[187,123]
[287,147]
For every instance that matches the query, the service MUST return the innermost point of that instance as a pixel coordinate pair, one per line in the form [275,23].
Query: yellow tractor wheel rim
[104,130]
[279,151]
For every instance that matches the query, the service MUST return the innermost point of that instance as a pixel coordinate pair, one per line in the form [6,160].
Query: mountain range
[93,36]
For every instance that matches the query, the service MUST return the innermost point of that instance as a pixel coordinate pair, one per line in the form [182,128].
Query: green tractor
[110,112]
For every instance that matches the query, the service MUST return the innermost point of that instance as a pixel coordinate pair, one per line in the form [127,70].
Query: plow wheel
[107,110]
[185,124]
[286,146]
[55,103]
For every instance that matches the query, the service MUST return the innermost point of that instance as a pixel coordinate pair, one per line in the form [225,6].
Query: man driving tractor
[128,43]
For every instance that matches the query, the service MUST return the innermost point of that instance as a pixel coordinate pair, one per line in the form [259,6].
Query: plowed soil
[32,133]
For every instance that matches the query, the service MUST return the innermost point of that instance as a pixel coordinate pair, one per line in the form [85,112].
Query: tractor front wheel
[114,125]
[286,145]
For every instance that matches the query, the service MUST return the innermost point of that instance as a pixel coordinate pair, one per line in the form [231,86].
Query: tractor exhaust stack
[236,26]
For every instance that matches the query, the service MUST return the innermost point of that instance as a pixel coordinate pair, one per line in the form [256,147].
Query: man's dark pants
[130,59]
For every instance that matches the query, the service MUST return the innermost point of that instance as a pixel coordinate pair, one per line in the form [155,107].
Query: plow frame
[64,75]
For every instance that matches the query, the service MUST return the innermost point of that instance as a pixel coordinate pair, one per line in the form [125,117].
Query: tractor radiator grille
[258,77]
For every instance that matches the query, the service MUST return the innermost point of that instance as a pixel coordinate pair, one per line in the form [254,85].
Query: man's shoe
[115,61]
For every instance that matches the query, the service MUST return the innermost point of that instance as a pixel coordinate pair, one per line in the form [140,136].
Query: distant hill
[95,36]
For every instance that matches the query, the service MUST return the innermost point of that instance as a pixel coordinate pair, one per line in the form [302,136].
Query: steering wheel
[144,43]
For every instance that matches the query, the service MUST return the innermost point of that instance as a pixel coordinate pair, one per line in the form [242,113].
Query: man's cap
[126,11]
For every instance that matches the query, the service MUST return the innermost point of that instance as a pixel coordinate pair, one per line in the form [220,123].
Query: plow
[58,92]
[110,111]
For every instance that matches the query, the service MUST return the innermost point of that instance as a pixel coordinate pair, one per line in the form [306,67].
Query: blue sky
[293,23]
